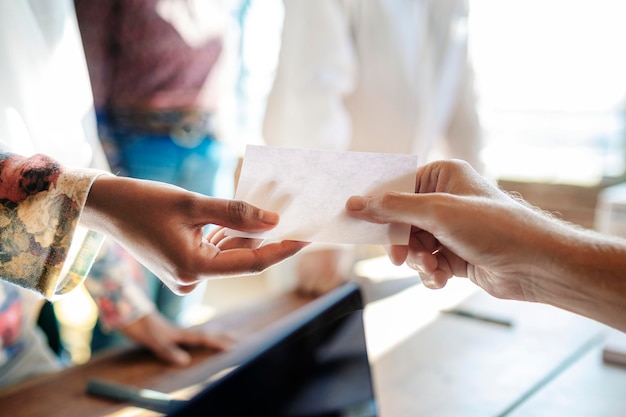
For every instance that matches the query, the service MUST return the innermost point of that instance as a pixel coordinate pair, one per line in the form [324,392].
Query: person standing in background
[52,167]
[372,76]
[161,72]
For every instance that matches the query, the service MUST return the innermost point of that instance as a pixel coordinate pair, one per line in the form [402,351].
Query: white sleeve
[44,84]
[463,137]
[316,69]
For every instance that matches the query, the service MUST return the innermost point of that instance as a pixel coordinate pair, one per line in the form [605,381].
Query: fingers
[172,353]
[202,339]
[241,261]
[159,335]
[223,242]
[421,251]
[166,340]
[397,253]
[169,349]
[434,263]
[231,257]
[425,255]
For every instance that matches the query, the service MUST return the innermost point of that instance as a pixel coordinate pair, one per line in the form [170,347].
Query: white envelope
[309,189]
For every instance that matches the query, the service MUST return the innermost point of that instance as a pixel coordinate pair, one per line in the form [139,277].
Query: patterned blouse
[40,203]
[44,251]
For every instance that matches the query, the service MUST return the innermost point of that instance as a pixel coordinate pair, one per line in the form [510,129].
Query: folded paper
[309,189]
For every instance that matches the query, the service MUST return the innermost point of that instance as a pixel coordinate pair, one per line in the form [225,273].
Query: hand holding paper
[309,189]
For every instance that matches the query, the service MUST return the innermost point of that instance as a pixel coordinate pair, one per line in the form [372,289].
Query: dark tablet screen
[314,365]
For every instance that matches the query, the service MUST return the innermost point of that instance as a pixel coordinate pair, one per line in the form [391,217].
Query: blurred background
[551,89]
[551,96]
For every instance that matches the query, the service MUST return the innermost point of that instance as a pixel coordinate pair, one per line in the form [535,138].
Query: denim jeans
[207,168]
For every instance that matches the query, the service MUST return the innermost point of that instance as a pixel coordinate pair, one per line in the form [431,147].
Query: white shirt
[45,85]
[374,75]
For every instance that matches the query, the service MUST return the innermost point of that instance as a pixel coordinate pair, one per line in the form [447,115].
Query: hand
[464,226]
[165,339]
[319,271]
[162,226]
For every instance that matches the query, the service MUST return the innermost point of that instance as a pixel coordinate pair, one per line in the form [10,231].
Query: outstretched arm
[41,203]
[162,226]
[464,226]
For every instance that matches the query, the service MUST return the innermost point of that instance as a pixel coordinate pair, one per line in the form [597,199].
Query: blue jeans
[207,168]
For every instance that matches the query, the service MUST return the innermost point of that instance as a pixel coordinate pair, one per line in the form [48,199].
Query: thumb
[238,215]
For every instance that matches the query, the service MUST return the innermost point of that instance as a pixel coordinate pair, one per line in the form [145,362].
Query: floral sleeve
[118,285]
[41,245]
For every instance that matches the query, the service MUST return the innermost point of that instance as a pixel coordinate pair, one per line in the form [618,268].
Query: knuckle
[238,211]
[389,200]
[259,264]
[189,203]
[457,165]
[437,203]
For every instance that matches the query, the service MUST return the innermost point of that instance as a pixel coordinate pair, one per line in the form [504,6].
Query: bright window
[551,78]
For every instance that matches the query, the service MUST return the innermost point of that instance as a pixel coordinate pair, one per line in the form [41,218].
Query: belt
[187,128]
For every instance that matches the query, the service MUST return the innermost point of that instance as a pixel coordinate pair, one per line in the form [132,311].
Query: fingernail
[356,203]
[269,217]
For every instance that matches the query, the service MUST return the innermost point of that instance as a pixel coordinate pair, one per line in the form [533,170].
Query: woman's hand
[166,340]
[162,226]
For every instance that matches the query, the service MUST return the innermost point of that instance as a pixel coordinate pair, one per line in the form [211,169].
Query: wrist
[102,200]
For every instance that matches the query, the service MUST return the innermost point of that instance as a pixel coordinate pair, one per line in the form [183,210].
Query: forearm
[587,276]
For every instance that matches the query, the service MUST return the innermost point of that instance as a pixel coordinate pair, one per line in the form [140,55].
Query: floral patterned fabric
[44,251]
[46,107]
[117,283]
[40,203]
[42,248]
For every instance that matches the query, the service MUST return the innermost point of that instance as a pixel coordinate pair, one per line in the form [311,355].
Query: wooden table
[548,362]
[425,363]
[63,394]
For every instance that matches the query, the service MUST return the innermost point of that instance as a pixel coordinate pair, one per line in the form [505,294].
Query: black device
[312,363]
